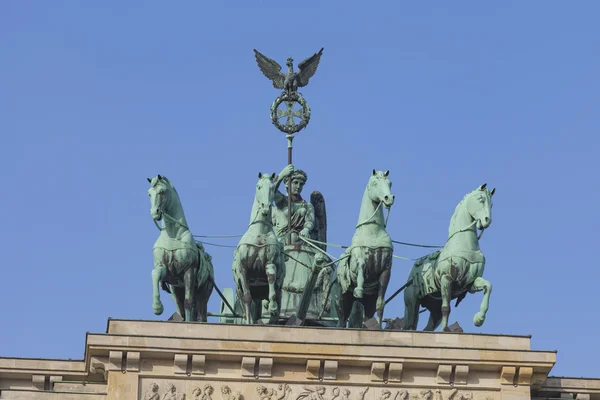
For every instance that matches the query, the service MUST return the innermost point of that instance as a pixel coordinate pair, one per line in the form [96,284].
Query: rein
[164,214]
[368,221]
[466,229]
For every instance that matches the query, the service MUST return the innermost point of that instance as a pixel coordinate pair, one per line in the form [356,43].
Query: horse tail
[165,286]
[343,273]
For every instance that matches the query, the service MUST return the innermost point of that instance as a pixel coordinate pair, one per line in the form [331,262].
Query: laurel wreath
[297,98]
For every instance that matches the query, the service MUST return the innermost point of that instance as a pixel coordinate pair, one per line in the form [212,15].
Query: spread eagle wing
[308,68]
[319,231]
[270,68]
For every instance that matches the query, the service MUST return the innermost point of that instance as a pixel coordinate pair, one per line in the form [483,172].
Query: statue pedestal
[149,359]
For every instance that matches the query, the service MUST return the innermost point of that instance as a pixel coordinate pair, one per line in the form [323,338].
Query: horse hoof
[358,293]
[158,309]
[478,319]
[273,306]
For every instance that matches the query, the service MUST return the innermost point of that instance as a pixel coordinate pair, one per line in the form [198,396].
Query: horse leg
[158,274]
[178,295]
[478,285]
[271,270]
[247,297]
[435,318]
[189,283]
[360,277]
[344,307]
[369,303]
[445,288]
[384,280]
[339,308]
[411,308]
[202,296]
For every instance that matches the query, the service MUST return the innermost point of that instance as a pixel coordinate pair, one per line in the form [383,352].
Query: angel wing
[270,68]
[319,231]
[308,68]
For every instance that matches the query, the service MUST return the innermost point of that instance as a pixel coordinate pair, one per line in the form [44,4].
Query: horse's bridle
[164,214]
[368,221]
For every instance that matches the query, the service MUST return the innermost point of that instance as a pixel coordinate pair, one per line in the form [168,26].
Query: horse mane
[458,207]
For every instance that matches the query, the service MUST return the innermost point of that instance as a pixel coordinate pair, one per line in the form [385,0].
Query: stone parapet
[152,360]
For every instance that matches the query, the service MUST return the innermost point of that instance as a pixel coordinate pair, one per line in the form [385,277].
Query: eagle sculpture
[291,81]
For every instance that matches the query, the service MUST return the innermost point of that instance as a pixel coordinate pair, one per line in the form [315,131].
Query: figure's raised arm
[287,171]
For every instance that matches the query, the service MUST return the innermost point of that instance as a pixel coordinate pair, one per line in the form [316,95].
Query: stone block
[265,367]
[583,396]
[54,379]
[180,362]
[395,372]
[443,374]
[133,361]
[98,366]
[313,368]
[198,362]
[248,366]
[330,370]
[395,324]
[372,324]
[115,361]
[461,374]
[39,382]
[377,372]
[525,375]
[293,321]
[507,376]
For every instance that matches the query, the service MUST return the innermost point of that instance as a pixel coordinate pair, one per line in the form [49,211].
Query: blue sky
[97,96]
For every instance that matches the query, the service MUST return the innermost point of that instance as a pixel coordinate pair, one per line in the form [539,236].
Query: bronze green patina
[281,267]
[365,274]
[181,266]
[308,221]
[258,266]
[455,270]
[289,82]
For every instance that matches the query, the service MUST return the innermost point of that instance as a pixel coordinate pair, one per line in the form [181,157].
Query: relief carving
[425,394]
[319,393]
[227,394]
[271,394]
[204,393]
[454,395]
[152,393]
[191,391]
[172,393]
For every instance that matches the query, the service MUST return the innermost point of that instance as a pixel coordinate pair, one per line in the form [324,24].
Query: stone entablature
[153,360]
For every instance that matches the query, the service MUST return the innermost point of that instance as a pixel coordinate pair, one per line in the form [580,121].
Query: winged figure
[319,231]
[291,81]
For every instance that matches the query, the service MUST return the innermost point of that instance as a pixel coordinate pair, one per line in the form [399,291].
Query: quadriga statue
[308,221]
[181,266]
[455,270]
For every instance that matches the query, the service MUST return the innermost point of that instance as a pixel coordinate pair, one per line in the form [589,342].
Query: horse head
[479,206]
[160,196]
[265,192]
[380,188]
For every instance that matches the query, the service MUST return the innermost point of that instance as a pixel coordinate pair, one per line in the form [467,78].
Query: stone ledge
[365,352]
[345,337]
[39,395]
